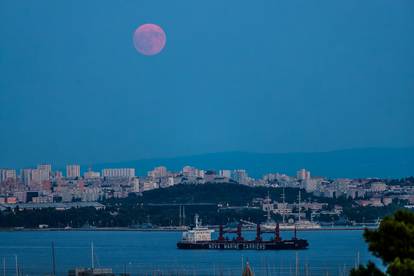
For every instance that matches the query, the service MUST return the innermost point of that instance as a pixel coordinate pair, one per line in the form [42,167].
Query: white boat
[301,224]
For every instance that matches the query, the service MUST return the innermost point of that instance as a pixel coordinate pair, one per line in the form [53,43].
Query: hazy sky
[260,76]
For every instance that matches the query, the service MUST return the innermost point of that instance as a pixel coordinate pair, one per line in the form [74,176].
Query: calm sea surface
[153,253]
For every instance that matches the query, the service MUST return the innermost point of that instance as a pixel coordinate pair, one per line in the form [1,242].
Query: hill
[355,163]
[217,193]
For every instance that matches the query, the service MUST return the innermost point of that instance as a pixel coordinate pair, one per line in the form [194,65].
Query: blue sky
[259,76]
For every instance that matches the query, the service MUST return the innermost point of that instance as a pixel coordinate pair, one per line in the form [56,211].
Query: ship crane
[259,231]
[200,238]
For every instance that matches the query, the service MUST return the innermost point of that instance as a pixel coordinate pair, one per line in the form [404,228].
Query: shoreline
[170,229]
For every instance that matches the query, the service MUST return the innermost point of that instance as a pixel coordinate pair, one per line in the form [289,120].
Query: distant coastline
[171,229]
[346,163]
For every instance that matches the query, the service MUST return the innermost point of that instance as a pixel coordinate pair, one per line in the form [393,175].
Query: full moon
[149,39]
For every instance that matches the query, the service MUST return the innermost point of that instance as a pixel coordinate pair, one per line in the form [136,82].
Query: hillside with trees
[215,203]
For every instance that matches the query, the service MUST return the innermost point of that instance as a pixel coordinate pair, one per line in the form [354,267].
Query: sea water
[155,253]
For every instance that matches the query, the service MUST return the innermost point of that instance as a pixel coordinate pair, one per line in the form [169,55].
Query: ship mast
[183,216]
[268,207]
[53,259]
[284,207]
[299,198]
[197,222]
[179,216]
[17,265]
[92,257]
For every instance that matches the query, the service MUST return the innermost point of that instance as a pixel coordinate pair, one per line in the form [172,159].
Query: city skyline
[45,172]
[354,163]
[45,187]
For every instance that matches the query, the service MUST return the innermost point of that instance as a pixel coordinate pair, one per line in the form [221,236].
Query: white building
[378,187]
[148,185]
[225,173]
[72,171]
[91,175]
[189,171]
[135,185]
[119,172]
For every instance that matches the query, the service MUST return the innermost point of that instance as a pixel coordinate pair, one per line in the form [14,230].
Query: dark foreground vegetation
[161,207]
[393,243]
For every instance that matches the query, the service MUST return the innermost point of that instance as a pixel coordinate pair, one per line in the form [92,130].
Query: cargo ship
[200,238]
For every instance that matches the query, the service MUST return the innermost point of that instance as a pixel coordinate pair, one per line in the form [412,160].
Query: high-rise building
[119,172]
[158,172]
[26,175]
[303,174]
[189,171]
[241,176]
[72,171]
[46,167]
[7,174]
[38,176]
[225,173]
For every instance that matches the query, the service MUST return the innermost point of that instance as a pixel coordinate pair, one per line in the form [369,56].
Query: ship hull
[246,245]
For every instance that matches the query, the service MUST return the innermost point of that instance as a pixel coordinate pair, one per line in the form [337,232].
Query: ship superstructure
[198,233]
